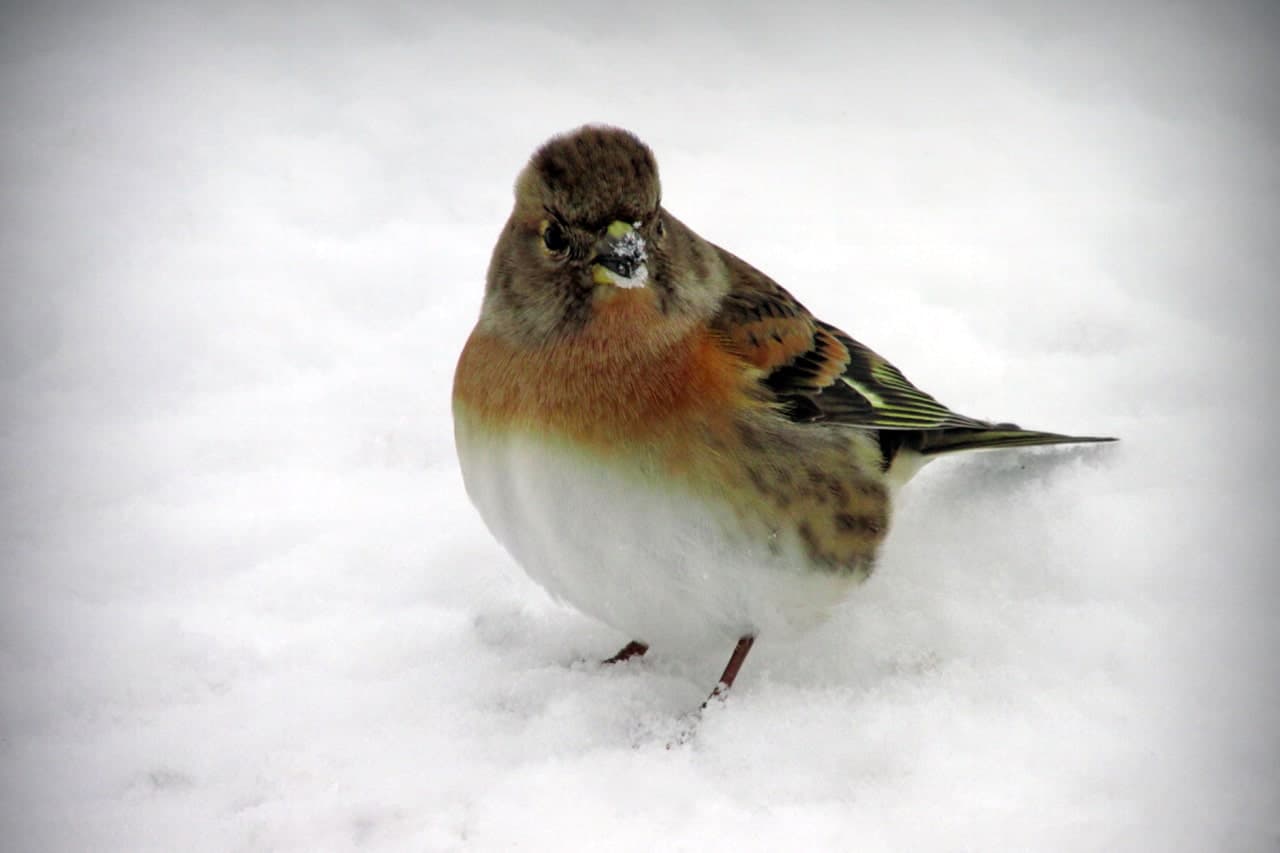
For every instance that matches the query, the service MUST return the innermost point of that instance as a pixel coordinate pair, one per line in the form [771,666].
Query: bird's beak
[620,257]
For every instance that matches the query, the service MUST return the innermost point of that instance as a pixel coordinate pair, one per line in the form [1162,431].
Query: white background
[246,605]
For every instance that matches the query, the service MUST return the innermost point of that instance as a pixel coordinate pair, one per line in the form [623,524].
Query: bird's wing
[816,371]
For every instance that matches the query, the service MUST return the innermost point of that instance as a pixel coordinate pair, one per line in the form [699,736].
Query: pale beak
[620,257]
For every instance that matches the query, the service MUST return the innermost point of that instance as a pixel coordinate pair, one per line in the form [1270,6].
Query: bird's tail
[934,442]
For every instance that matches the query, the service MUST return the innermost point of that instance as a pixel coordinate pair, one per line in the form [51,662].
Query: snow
[247,605]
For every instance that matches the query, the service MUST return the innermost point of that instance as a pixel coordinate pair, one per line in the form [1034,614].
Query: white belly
[638,554]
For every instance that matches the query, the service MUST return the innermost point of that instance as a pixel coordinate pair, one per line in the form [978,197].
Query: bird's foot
[627,652]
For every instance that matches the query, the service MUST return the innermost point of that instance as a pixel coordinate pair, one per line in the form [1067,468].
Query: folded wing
[817,373]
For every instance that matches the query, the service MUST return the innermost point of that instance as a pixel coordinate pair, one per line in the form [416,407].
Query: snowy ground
[247,606]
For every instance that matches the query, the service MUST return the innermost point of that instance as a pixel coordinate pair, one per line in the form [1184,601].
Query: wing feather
[816,371]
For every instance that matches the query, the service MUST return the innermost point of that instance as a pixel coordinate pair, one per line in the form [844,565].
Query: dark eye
[659,228]
[555,238]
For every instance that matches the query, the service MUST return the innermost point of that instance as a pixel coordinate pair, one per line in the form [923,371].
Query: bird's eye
[659,228]
[554,238]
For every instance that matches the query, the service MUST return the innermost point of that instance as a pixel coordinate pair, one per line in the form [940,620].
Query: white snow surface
[247,606]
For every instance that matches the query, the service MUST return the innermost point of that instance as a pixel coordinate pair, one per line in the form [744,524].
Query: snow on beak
[620,257]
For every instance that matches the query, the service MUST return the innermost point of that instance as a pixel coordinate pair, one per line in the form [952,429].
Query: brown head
[588,238]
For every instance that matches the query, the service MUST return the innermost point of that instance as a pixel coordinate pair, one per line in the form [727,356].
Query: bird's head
[588,238]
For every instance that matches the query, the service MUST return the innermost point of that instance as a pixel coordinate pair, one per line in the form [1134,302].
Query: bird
[661,435]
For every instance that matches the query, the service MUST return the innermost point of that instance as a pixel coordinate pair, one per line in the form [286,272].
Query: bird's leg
[627,652]
[690,723]
[731,669]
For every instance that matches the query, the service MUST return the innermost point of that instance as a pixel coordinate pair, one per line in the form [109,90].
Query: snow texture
[247,606]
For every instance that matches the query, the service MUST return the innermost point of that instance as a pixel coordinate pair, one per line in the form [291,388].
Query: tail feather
[934,442]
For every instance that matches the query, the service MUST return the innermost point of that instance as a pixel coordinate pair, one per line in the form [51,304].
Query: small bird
[660,434]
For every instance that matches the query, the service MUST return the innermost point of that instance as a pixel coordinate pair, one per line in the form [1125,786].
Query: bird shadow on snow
[551,681]
[995,475]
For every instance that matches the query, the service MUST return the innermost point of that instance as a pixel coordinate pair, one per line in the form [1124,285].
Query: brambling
[660,434]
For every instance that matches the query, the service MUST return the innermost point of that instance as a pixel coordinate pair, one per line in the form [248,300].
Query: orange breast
[621,379]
